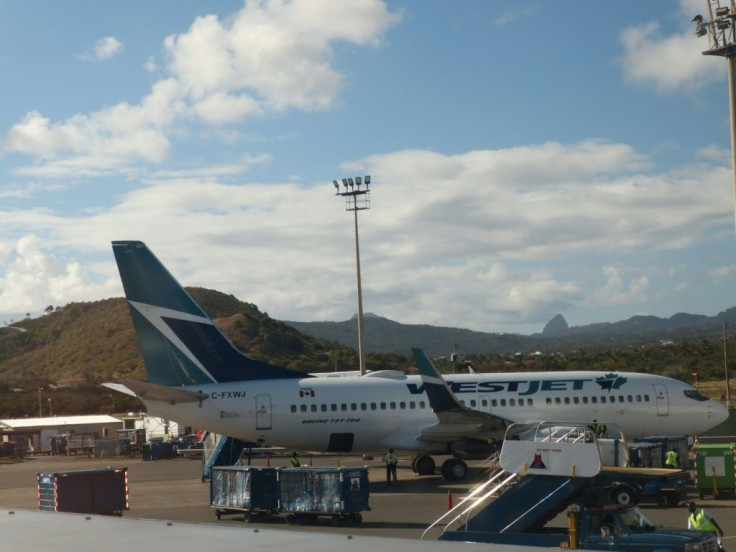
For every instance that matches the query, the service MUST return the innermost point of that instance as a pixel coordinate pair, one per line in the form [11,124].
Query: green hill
[84,344]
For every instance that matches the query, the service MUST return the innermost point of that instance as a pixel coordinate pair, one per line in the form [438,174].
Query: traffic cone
[449,499]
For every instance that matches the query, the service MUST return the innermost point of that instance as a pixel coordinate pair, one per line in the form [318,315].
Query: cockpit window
[695,394]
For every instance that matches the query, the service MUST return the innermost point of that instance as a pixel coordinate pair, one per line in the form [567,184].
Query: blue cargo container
[99,491]
[244,489]
[338,493]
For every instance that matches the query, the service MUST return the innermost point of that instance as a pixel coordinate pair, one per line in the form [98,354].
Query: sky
[526,159]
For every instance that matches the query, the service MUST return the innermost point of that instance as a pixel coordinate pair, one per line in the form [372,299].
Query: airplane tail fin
[179,342]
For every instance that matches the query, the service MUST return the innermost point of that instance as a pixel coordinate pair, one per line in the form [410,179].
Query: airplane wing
[152,392]
[455,420]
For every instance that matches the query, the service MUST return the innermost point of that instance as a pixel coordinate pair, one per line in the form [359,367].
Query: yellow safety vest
[700,522]
[390,458]
[671,459]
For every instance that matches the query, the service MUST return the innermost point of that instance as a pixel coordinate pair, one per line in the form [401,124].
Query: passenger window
[383,406]
[412,405]
[323,408]
[603,400]
[638,398]
[594,400]
[373,406]
[343,407]
[392,405]
[314,408]
[363,406]
[353,406]
[402,405]
[333,407]
[484,403]
[576,400]
[630,398]
[503,402]
[494,402]
[585,400]
[473,404]
[293,408]
[620,398]
[512,402]
[529,402]
[646,398]
[549,400]
[421,404]
[557,400]
[567,400]
[521,402]
[304,408]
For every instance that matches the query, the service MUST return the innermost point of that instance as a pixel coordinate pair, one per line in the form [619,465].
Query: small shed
[35,434]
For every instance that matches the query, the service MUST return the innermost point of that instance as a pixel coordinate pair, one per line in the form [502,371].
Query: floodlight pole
[721,31]
[357,199]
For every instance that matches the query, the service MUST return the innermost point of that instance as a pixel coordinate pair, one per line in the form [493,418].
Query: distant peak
[555,326]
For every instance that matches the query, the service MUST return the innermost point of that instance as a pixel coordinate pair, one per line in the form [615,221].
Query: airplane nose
[719,413]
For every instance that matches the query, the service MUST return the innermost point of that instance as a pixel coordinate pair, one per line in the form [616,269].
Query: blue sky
[527,159]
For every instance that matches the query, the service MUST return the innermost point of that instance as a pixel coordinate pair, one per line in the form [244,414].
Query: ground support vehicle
[244,490]
[715,468]
[635,485]
[593,528]
[338,493]
[98,491]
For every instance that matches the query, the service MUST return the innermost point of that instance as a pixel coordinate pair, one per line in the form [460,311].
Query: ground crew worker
[391,459]
[294,460]
[701,520]
[672,460]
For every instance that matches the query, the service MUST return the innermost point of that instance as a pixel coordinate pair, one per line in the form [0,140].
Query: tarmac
[173,490]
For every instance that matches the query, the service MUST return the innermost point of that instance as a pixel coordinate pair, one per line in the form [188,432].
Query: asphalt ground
[172,489]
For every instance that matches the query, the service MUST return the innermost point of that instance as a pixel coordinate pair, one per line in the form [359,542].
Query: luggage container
[338,493]
[99,491]
[714,468]
[244,489]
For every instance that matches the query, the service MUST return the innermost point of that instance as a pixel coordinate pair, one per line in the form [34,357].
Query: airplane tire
[454,469]
[424,465]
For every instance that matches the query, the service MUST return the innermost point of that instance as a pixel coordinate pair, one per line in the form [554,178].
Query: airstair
[544,468]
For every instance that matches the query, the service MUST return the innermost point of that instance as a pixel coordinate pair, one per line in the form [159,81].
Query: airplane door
[660,395]
[263,411]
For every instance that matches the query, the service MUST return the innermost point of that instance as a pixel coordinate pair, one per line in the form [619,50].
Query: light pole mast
[357,199]
[722,36]
[721,30]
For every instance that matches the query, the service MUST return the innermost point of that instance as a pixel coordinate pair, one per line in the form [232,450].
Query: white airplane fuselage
[386,409]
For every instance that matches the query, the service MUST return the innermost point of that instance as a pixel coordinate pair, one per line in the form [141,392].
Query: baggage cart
[337,493]
[244,490]
[98,491]
[714,468]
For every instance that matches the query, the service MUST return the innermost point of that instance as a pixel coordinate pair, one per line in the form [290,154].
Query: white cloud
[432,242]
[32,277]
[668,63]
[103,49]
[266,58]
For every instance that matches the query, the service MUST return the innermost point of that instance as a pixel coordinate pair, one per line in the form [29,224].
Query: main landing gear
[453,469]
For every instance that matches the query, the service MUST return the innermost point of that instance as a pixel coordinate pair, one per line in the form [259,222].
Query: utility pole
[725,366]
[357,199]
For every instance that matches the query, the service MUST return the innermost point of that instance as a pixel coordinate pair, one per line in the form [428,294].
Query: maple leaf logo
[610,381]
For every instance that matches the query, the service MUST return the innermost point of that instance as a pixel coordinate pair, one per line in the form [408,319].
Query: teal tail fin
[179,342]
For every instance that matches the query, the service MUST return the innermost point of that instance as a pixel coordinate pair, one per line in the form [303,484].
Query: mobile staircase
[544,468]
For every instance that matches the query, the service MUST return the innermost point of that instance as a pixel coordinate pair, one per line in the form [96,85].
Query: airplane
[197,377]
